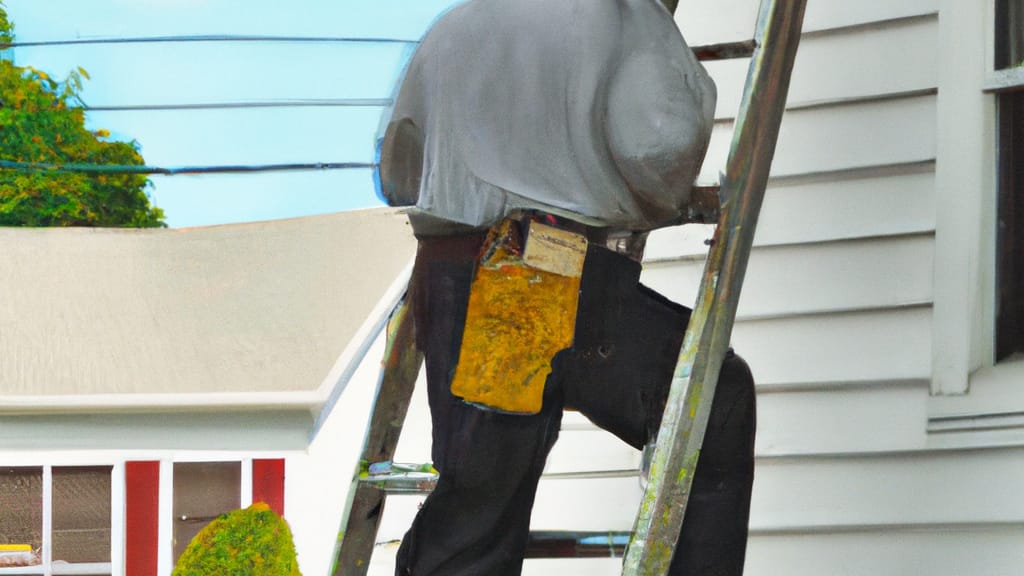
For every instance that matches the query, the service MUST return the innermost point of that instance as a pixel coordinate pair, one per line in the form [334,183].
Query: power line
[82,168]
[325,103]
[207,38]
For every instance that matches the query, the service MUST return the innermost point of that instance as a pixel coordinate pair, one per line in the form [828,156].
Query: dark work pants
[617,373]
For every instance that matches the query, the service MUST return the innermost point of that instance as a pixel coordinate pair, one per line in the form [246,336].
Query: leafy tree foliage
[42,121]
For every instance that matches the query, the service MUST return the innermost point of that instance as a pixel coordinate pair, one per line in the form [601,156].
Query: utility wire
[206,38]
[325,103]
[82,168]
[722,51]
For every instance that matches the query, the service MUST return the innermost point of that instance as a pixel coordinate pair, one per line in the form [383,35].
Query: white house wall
[855,474]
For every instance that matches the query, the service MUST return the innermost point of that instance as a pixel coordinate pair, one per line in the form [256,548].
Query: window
[96,520]
[55,520]
[1010,232]
[1009,33]
[202,491]
[1009,61]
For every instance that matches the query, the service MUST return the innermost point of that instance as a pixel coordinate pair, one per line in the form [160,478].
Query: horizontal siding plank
[847,64]
[591,451]
[827,14]
[842,420]
[893,201]
[816,278]
[949,551]
[383,564]
[842,348]
[899,57]
[399,510]
[829,420]
[877,133]
[915,489]
[727,20]
[572,566]
[720,21]
[843,208]
[205,72]
[608,504]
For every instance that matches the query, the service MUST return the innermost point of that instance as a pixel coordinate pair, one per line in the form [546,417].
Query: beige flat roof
[260,308]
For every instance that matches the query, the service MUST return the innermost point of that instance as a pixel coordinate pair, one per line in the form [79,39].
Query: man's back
[591,109]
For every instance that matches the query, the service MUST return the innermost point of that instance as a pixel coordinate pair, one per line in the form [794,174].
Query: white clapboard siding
[704,22]
[876,202]
[941,551]
[901,489]
[399,511]
[842,137]
[591,451]
[819,278]
[826,14]
[899,200]
[587,504]
[851,419]
[875,346]
[848,63]
[206,72]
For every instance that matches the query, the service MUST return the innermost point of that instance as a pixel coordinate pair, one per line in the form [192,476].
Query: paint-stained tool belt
[522,311]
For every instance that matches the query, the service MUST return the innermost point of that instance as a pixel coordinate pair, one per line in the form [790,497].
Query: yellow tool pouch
[522,311]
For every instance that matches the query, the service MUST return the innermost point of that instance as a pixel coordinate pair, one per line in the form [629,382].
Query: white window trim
[1005,80]
[964,301]
[976,402]
[114,567]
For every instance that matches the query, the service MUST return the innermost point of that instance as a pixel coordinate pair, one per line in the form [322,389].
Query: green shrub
[250,542]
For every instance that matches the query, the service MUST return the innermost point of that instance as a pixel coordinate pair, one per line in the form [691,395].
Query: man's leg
[618,375]
[714,537]
[476,521]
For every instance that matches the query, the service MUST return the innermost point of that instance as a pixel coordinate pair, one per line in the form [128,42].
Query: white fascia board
[214,401]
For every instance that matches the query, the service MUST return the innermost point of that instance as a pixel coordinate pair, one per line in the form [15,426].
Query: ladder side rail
[365,505]
[707,338]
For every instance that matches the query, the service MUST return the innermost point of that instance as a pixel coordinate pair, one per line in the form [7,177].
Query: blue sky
[134,74]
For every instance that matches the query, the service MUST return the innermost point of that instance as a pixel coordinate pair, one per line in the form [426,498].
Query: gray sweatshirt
[595,110]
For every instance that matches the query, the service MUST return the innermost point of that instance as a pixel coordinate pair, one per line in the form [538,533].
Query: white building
[890,439]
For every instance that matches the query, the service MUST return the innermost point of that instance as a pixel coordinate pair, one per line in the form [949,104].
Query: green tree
[42,121]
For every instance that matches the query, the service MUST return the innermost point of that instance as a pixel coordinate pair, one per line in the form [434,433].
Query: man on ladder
[538,141]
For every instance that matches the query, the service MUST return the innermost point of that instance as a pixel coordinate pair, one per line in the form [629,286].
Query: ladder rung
[577,544]
[725,50]
[395,478]
[705,204]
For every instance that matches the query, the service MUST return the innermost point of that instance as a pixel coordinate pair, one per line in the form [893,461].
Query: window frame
[1002,76]
[1006,82]
[1009,330]
[46,566]
[975,400]
[165,519]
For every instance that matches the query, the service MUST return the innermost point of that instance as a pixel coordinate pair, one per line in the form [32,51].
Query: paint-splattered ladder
[650,546]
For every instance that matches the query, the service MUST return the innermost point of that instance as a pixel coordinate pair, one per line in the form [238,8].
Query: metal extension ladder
[735,204]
